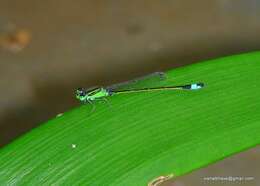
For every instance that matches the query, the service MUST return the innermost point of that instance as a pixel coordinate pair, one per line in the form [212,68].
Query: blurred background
[49,48]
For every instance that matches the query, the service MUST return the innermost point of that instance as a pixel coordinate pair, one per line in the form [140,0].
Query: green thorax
[96,94]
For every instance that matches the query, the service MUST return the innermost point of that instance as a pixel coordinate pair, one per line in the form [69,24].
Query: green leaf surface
[140,136]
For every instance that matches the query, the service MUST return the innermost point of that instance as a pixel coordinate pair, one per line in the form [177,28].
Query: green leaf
[140,136]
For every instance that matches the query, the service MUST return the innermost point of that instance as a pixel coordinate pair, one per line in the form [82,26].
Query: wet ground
[101,42]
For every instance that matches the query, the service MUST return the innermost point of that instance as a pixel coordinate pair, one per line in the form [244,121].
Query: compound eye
[82,93]
[79,90]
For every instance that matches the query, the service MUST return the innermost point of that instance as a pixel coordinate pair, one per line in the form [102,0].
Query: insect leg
[107,102]
[93,106]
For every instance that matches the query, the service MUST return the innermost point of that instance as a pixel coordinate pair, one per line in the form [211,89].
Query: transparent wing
[149,80]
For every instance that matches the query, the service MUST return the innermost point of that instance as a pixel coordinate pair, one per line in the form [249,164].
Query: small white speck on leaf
[58,115]
[73,146]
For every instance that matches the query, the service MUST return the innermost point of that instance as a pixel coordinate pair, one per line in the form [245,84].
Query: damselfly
[97,93]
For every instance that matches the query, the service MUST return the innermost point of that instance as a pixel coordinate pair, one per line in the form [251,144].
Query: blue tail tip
[197,86]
